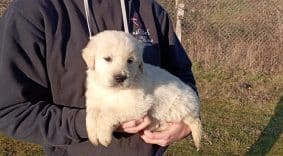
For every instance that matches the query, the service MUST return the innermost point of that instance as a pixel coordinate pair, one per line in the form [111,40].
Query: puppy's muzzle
[120,78]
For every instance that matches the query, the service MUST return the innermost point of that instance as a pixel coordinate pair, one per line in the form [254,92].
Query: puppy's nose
[120,78]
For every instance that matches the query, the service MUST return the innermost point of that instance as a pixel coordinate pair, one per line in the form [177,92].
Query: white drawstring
[86,5]
[123,7]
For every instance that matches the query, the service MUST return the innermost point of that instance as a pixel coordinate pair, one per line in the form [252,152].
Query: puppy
[121,87]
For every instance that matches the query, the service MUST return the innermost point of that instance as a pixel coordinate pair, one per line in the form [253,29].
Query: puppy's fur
[121,87]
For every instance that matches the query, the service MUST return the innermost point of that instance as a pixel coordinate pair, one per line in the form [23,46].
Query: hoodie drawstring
[87,14]
[125,21]
[86,6]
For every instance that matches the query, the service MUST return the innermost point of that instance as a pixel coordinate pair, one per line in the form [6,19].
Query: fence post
[180,14]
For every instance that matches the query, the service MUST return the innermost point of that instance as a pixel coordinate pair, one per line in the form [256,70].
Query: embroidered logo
[139,32]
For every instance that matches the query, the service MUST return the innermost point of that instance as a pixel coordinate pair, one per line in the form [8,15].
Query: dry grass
[3,6]
[237,50]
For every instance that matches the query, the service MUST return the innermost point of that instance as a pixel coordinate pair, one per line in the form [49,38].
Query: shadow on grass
[270,134]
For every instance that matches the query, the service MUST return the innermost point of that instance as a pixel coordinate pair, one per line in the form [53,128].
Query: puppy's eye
[107,59]
[130,60]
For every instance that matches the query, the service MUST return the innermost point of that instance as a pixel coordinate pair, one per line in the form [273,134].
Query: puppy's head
[114,57]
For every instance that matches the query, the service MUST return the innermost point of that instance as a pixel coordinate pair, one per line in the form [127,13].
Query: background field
[237,50]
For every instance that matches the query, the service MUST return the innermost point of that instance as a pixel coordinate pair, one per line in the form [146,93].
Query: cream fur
[148,90]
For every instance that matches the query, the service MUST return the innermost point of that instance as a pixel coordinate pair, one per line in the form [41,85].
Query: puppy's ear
[88,55]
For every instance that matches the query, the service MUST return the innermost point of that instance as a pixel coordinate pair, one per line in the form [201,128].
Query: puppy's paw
[105,141]
[104,135]
[104,131]
[100,127]
[91,127]
[93,139]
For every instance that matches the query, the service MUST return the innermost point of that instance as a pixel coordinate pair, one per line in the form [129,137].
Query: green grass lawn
[242,114]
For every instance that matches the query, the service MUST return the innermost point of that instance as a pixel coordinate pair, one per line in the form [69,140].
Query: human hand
[134,126]
[175,131]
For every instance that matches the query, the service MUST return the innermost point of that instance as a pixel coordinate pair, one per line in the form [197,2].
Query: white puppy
[120,87]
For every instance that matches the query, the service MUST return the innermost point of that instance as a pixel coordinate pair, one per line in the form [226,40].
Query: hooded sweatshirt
[43,74]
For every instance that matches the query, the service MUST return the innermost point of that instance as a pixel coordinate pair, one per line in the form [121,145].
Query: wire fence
[233,34]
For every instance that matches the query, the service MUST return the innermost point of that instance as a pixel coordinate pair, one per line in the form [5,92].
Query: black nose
[120,78]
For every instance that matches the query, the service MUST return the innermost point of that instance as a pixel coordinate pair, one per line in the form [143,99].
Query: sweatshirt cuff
[80,124]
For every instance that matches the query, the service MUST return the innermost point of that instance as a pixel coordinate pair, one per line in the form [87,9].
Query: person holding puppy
[43,75]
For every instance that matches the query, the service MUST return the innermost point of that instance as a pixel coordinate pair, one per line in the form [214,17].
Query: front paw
[104,133]
[93,138]
[105,140]
[91,127]
[98,138]
[99,128]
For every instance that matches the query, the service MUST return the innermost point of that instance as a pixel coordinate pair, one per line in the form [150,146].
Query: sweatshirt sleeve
[26,109]
[175,58]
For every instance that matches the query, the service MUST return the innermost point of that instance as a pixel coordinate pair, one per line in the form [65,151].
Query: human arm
[27,111]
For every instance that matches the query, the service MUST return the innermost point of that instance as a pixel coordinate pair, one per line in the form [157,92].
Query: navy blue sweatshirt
[42,73]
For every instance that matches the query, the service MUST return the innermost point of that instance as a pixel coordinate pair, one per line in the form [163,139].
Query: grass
[236,47]
[11,147]
[241,113]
